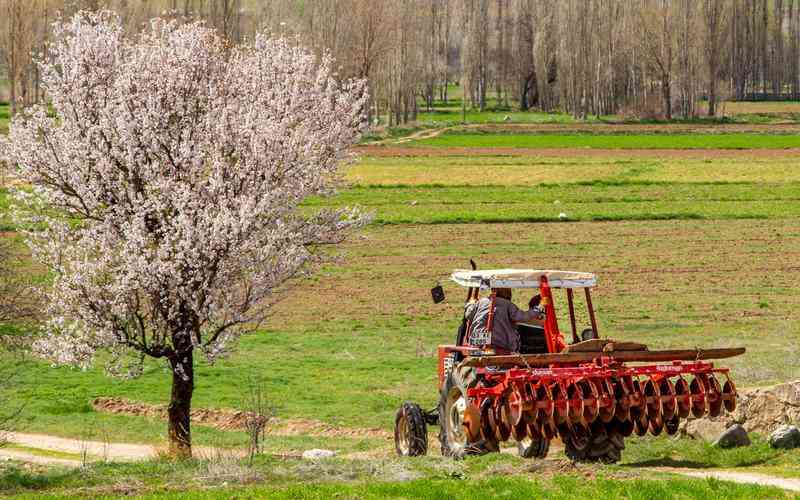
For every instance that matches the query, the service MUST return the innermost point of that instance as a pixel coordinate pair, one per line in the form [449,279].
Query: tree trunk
[180,405]
[666,92]
[712,99]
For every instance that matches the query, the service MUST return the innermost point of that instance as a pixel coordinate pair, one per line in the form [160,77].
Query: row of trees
[584,56]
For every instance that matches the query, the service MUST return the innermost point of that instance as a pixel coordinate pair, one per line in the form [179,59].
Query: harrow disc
[653,400]
[714,392]
[472,422]
[516,405]
[545,412]
[621,394]
[729,395]
[640,425]
[683,397]
[668,402]
[502,427]
[608,402]
[487,420]
[671,425]
[575,404]
[638,407]
[519,431]
[698,391]
[560,403]
[625,427]
[590,399]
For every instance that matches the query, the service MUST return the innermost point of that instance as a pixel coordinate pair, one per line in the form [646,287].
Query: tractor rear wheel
[410,431]
[533,448]
[453,402]
[603,444]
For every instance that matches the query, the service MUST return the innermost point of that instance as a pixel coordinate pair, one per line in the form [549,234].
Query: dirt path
[96,450]
[739,477]
[416,136]
[31,458]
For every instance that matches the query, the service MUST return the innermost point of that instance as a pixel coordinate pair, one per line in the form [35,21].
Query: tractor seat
[531,339]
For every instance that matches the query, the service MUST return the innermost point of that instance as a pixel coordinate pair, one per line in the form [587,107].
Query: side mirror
[437,294]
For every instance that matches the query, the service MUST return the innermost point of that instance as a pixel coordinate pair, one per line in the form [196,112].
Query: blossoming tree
[167,179]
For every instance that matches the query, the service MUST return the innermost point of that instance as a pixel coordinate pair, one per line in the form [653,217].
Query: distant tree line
[587,57]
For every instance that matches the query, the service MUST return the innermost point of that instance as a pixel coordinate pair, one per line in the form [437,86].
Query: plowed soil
[226,419]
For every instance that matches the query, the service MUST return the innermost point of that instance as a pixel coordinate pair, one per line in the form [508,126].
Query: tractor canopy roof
[522,278]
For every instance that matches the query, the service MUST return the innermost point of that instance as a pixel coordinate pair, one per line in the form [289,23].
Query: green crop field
[609,141]
[692,248]
[4,117]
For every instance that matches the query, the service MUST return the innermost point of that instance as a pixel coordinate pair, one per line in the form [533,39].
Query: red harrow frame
[585,393]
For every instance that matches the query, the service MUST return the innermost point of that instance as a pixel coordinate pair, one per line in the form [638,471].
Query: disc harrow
[572,401]
[592,392]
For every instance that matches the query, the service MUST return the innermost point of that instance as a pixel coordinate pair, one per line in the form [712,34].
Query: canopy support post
[591,312]
[570,301]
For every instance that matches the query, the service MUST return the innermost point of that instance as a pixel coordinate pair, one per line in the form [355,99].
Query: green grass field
[609,141]
[4,117]
[522,485]
[690,250]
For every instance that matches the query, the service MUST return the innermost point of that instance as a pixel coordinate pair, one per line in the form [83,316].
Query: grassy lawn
[664,451]
[348,345]
[609,141]
[665,283]
[505,170]
[4,117]
[558,202]
[482,477]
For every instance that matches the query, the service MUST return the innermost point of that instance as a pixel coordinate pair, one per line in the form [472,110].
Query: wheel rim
[403,438]
[455,416]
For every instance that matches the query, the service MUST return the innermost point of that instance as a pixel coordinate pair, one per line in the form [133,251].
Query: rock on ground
[785,436]
[757,410]
[704,429]
[733,437]
[316,454]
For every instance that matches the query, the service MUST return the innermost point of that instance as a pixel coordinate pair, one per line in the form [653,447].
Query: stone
[316,454]
[785,436]
[704,429]
[733,437]
[764,412]
[788,393]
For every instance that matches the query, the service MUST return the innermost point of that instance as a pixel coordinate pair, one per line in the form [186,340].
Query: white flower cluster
[168,179]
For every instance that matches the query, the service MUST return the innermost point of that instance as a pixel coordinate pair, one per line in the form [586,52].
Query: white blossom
[166,183]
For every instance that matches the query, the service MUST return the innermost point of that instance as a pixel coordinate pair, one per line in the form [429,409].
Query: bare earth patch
[227,419]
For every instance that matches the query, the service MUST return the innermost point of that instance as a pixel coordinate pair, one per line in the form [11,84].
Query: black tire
[588,334]
[533,448]
[410,431]
[602,444]
[454,440]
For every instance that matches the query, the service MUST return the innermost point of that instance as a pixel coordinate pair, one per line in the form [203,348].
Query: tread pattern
[604,445]
[418,430]
[462,378]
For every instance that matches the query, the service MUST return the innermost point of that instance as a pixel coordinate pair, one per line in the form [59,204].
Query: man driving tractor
[492,321]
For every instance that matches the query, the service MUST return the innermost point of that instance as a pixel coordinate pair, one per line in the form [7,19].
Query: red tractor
[591,393]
